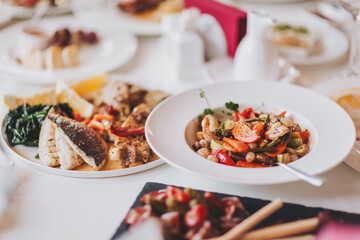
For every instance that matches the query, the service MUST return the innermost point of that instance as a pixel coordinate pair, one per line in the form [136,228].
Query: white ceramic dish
[108,14]
[221,70]
[331,44]
[27,12]
[330,141]
[113,50]
[26,155]
[329,88]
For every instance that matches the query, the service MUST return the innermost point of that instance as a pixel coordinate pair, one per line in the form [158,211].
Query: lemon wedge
[45,96]
[349,97]
[65,94]
[89,85]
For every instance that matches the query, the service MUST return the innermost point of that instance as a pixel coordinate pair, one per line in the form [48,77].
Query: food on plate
[101,129]
[27,3]
[151,10]
[61,50]
[293,39]
[349,100]
[248,138]
[191,214]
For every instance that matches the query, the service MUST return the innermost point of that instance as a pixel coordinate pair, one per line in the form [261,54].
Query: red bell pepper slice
[223,157]
[126,131]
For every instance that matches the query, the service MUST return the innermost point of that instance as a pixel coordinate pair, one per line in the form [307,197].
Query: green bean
[262,119]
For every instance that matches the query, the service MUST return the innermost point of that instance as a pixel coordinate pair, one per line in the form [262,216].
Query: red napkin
[232,20]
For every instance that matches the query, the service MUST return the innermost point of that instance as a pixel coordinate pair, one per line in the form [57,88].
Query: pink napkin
[338,231]
[232,20]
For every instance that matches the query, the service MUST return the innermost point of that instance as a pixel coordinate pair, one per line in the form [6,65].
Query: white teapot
[256,58]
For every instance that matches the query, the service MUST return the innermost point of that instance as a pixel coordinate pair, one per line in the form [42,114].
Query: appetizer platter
[92,129]
[52,50]
[247,101]
[185,213]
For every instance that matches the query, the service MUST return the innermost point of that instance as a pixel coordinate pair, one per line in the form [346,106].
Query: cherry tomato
[195,215]
[158,195]
[177,194]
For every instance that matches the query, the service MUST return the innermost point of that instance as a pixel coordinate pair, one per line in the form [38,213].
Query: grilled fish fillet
[84,140]
[47,145]
[68,158]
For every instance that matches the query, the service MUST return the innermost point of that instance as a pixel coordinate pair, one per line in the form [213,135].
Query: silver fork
[316,181]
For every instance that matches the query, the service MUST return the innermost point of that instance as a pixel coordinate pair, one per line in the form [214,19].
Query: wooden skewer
[283,230]
[250,222]
[299,237]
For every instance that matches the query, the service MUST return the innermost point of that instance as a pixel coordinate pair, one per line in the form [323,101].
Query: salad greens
[23,124]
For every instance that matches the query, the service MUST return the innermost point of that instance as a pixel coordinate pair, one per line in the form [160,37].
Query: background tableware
[169,122]
[113,50]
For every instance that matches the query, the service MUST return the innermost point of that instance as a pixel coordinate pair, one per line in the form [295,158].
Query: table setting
[179,119]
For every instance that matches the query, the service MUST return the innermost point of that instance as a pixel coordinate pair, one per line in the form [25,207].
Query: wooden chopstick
[250,222]
[299,237]
[283,230]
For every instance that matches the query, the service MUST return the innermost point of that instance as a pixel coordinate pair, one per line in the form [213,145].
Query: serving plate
[328,89]
[113,50]
[332,45]
[167,129]
[108,14]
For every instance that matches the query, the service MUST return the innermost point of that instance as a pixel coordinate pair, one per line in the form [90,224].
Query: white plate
[333,43]
[27,12]
[329,88]
[221,70]
[113,50]
[330,141]
[26,155]
[108,14]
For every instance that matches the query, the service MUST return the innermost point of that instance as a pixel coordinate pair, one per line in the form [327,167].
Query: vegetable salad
[250,139]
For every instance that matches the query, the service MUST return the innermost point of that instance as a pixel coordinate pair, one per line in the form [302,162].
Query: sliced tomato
[237,116]
[235,145]
[195,215]
[158,195]
[223,157]
[246,164]
[282,114]
[177,194]
[248,113]
[305,135]
[138,214]
[258,128]
[279,149]
[244,134]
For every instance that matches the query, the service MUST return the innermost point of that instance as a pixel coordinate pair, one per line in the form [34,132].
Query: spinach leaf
[23,124]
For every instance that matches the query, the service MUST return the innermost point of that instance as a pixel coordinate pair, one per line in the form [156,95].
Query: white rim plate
[109,15]
[113,50]
[331,142]
[334,43]
[27,12]
[328,89]
[26,155]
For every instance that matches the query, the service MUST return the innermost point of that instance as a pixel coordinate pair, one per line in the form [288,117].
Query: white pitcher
[256,58]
